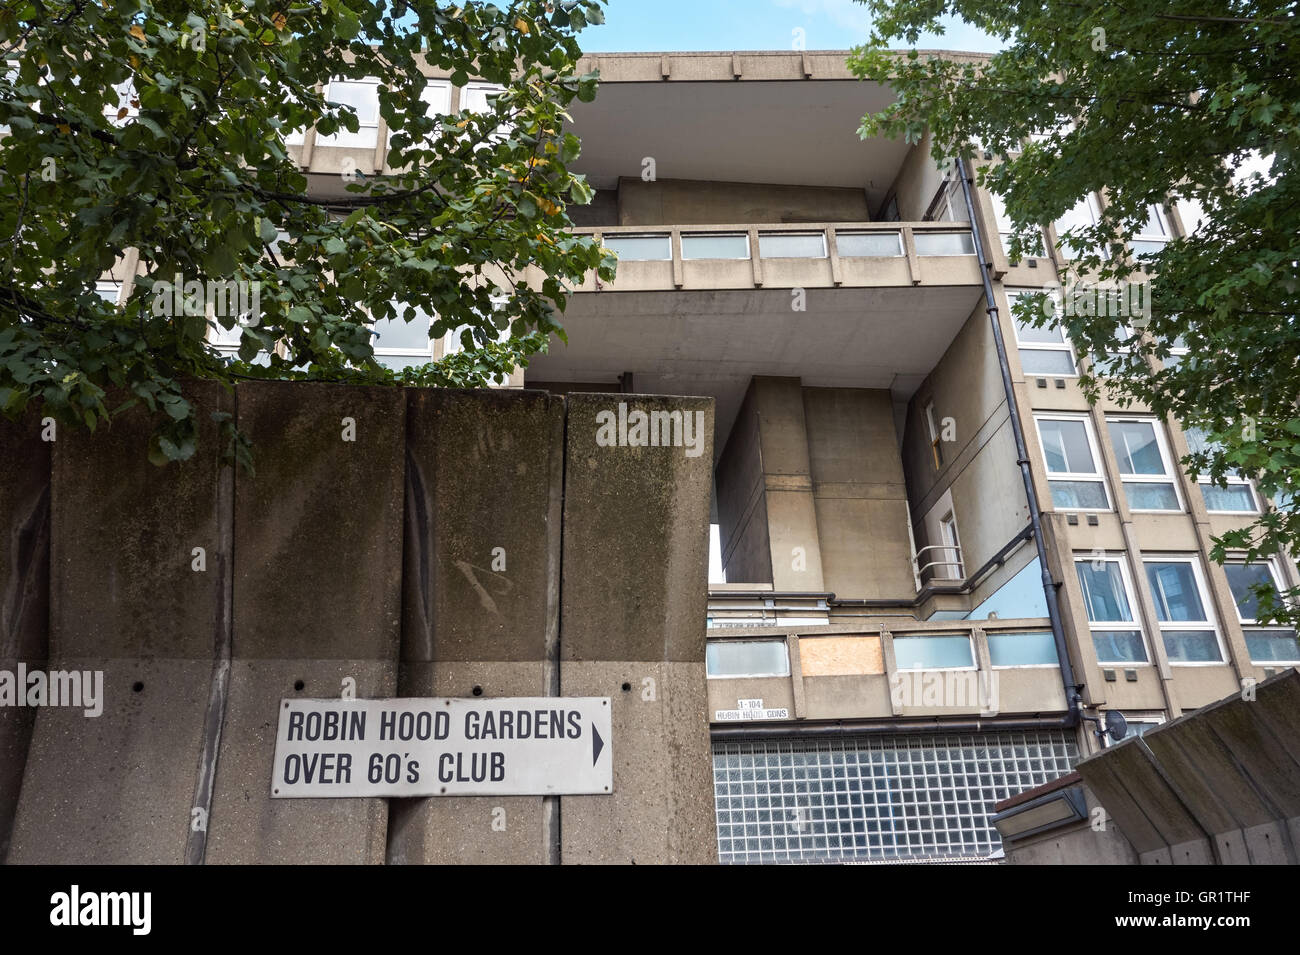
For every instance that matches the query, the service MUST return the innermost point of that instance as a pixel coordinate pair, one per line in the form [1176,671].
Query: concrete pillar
[633,605]
[317,606]
[484,473]
[24,590]
[765,491]
[127,602]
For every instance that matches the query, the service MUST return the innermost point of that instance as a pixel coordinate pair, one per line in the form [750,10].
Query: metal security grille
[875,798]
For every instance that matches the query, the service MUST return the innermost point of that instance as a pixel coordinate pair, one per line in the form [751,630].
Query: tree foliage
[160,126]
[1145,102]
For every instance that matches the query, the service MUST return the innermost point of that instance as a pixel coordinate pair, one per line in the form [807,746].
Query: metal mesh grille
[875,798]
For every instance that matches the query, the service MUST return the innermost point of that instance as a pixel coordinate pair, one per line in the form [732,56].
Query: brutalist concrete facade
[391,542]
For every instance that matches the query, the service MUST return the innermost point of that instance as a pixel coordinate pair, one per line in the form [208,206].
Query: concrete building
[883,663]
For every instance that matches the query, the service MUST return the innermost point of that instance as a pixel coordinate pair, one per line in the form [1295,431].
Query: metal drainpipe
[1049,590]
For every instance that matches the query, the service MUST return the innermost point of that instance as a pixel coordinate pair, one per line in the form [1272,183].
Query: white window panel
[1183,610]
[792,245]
[1028,649]
[109,291]
[1239,497]
[1268,645]
[475,98]
[944,243]
[731,659]
[1073,463]
[1193,215]
[852,245]
[1155,233]
[1085,215]
[1005,227]
[1124,336]
[1145,464]
[934,652]
[1044,350]
[1108,600]
[363,97]
[639,248]
[436,97]
[715,245]
[401,344]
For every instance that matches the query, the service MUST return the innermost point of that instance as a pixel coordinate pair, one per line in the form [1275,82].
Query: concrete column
[317,602]
[128,601]
[24,590]
[765,491]
[633,606]
[484,482]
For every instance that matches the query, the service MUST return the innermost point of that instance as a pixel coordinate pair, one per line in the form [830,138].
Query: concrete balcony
[805,256]
[868,671]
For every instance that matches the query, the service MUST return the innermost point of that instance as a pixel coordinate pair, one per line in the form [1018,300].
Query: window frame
[331,141]
[1170,474]
[1130,595]
[1210,625]
[785,649]
[749,252]
[1274,569]
[1093,207]
[1161,215]
[970,645]
[1077,476]
[1231,478]
[1065,345]
[1055,664]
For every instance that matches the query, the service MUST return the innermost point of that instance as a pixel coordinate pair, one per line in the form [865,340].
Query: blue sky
[660,25]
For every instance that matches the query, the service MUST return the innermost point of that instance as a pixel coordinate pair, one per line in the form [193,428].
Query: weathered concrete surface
[317,599]
[118,788]
[481,579]
[636,536]
[662,809]
[633,608]
[1220,785]
[24,589]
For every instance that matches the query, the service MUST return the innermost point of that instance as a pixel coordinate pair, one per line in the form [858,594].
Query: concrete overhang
[763,117]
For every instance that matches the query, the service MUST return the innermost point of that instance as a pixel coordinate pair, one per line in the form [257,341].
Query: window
[1107,591]
[1005,227]
[1178,350]
[1145,465]
[944,243]
[1266,644]
[792,245]
[704,245]
[947,652]
[951,553]
[1238,497]
[1192,213]
[640,248]
[1043,350]
[936,435]
[1034,649]
[741,658]
[475,97]
[1104,362]
[869,244]
[1154,234]
[109,291]
[1084,216]
[1137,726]
[401,344]
[1178,590]
[363,97]
[1070,450]
[1021,596]
[436,97]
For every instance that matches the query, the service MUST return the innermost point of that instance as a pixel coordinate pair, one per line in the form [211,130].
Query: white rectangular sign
[443,747]
[750,710]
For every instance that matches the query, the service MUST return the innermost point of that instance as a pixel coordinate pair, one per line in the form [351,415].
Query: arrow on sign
[597,744]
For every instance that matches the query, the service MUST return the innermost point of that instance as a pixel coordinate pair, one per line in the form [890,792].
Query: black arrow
[597,744]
